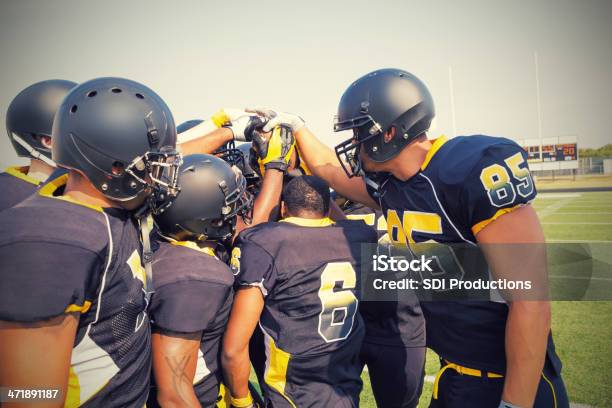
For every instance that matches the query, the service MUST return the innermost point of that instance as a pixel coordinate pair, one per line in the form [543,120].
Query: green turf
[582,330]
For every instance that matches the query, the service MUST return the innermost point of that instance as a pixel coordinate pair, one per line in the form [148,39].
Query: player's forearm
[205,143]
[527,332]
[319,158]
[174,364]
[182,396]
[236,370]
[267,201]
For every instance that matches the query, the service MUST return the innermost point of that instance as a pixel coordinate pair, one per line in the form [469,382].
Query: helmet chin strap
[33,152]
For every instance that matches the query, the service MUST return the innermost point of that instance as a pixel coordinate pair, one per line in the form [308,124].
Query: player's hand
[276,118]
[244,127]
[274,151]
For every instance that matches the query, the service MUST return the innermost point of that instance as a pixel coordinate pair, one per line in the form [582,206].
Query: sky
[300,57]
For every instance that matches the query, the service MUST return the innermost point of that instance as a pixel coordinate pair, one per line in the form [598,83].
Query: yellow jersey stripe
[195,247]
[51,187]
[76,308]
[309,222]
[22,174]
[479,226]
[437,144]
[276,368]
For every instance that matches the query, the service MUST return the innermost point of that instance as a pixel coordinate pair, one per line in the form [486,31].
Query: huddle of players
[73,281]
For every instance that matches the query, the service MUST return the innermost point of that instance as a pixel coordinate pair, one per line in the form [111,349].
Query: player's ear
[390,134]
[283,210]
[46,141]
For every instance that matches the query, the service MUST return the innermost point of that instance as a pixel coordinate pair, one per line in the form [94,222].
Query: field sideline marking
[553,207]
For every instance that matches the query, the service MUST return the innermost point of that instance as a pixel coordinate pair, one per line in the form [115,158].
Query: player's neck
[39,170]
[81,190]
[408,163]
[309,215]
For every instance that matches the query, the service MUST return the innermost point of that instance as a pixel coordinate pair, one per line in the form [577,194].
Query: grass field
[589,180]
[582,329]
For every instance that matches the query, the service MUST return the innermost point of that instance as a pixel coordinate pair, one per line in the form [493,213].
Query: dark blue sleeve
[40,280]
[499,183]
[253,266]
[187,306]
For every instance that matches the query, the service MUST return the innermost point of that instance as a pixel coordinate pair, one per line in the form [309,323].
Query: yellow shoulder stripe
[479,226]
[195,247]
[22,174]
[437,144]
[309,222]
[76,308]
[51,187]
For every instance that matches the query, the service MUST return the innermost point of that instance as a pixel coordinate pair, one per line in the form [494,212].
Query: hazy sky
[300,56]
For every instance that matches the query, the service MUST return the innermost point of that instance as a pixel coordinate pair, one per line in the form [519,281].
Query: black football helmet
[185,126]
[249,164]
[372,105]
[30,116]
[212,196]
[121,136]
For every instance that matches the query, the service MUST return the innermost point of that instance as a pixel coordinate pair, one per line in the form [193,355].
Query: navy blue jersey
[394,323]
[309,273]
[59,256]
[193,293]
[464,184]
[16,186]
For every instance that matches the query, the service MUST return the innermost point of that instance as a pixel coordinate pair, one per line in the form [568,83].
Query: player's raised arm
[320,159]
[224,126]
[274,151]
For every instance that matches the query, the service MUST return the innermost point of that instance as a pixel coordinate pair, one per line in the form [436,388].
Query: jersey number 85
[501,188]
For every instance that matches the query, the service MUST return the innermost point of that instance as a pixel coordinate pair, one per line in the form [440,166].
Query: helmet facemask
[158,171]
[365,130]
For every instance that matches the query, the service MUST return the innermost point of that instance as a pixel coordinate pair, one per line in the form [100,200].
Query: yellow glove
[275,152]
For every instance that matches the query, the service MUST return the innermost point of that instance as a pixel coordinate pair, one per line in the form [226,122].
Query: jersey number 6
[338,307]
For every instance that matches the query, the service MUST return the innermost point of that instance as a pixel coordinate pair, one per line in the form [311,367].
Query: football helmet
[30,116]
[120,135]
[185,126]
[372,105]
[212,196]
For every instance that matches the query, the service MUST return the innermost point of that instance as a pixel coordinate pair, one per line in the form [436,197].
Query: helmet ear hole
[118,168]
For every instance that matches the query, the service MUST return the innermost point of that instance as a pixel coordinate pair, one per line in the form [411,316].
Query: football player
[72,297]
[305,298]
[193,287]
[471,190]
[395,331]
[29,121]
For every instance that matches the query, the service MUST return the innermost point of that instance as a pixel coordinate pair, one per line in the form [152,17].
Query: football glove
[276,118]
[244,126]
[275,152]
